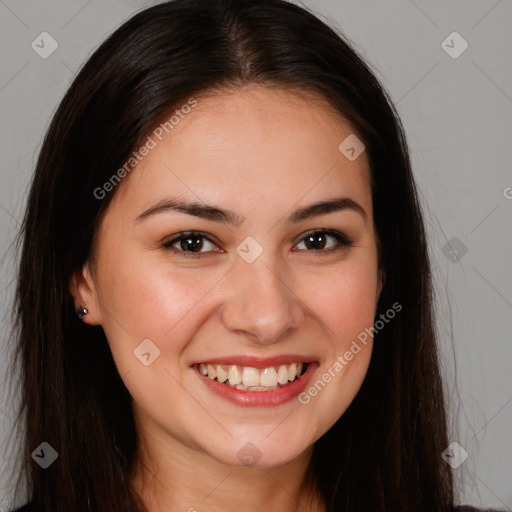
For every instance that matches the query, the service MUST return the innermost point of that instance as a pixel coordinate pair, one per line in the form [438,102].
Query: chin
[262,450]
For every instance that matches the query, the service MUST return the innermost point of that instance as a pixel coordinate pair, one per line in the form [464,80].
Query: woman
[224,295]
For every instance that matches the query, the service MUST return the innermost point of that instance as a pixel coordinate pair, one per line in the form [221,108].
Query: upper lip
[258,362]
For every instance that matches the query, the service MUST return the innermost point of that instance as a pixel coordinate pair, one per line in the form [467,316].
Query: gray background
[458,116]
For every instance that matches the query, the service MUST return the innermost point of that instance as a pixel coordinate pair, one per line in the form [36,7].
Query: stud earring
[81,312]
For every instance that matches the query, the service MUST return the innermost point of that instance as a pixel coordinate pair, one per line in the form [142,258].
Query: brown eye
[325,241]
[190,244]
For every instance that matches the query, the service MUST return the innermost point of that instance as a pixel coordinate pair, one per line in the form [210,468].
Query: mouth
[248,378]
[258,382]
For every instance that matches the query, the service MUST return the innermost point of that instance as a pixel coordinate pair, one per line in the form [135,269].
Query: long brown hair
[383,454]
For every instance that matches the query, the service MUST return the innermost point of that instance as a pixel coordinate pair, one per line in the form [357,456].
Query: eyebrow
[216,214]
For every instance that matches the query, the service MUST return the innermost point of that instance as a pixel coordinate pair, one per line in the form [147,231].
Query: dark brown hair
[383,454]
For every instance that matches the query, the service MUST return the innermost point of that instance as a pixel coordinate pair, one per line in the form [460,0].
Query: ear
[81,287]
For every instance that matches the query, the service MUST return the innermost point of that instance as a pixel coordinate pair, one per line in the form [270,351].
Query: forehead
[255,141]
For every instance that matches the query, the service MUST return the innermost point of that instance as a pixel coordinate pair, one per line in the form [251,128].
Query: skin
[261,153]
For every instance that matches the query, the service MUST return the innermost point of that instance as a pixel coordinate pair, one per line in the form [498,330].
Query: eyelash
[342,239]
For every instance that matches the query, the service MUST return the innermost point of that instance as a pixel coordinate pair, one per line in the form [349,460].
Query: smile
[248,378]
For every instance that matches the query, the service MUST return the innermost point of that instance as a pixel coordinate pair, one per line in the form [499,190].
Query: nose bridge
[260,302]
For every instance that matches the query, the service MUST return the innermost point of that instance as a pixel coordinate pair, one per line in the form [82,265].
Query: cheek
[345,303]
[344,299]
[145,300]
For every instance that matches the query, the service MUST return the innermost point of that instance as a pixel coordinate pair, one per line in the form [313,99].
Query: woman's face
[267,281]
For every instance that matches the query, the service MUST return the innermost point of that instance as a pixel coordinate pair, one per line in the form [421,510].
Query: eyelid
[338,235]
[185,234]
[343,242]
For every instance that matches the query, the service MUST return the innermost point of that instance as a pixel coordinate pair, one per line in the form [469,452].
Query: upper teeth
[245,376]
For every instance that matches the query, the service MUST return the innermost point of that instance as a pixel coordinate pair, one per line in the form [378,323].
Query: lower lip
[260,398]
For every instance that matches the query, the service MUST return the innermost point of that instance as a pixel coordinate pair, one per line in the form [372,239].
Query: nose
[260,304]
